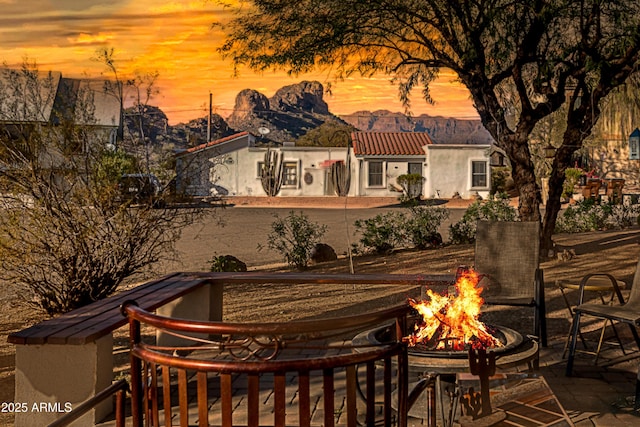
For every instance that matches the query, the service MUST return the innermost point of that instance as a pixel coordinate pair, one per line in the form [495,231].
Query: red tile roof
[216,142]
[390,143]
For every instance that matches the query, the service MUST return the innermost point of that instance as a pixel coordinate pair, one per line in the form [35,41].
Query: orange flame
[453,319]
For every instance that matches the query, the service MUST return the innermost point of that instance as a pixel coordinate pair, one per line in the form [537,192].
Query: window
[415,168]
[375,174]
[290,174]
[479,174]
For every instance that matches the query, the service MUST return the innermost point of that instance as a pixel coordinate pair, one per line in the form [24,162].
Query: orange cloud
[83,38]
[176,39]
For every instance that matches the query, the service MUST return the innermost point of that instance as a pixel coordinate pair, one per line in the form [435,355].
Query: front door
[416,189]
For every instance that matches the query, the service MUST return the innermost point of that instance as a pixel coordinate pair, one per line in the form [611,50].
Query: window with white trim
[290,174]
[479,174]
[375,174]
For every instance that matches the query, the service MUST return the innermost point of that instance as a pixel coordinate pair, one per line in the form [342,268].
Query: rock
[302,97]
[322,252]
[249,104]
[566,255]
[289,114]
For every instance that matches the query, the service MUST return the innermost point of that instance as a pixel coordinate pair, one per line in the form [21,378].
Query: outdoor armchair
[628,312]
[507,255]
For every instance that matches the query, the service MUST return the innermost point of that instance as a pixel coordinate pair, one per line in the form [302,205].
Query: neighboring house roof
[211,144]
[27,97]
[42,96]
[98,95]
[390,143]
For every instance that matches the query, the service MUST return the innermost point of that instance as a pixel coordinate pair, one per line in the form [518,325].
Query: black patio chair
[622,312]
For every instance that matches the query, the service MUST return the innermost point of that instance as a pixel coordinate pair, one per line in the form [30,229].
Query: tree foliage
[328,134]
[294,237]
[66,239]
[520,60]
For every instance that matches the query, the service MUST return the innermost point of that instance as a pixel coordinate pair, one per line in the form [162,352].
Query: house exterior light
[634,145]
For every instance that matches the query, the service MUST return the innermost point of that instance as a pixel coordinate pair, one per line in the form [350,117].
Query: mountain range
[293,111]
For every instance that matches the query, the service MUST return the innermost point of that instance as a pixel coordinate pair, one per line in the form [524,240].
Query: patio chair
[628,312]
[592,189]
[507,257]
[614,190]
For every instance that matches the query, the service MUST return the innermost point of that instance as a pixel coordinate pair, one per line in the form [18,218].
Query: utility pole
[209,120]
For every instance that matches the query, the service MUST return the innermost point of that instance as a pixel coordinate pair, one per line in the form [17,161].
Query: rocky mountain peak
[301,97]
[289,114]
[249,103]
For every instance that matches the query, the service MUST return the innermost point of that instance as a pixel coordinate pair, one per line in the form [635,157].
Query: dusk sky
[176,39]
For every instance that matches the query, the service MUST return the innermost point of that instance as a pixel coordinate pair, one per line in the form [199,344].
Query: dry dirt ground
[615,252]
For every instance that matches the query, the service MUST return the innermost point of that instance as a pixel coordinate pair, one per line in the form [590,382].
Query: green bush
[411,184]
[421,227]
[586,215]
[501,180]
[571,178]
[496,208]
[227,263]
[294,236]
[417,227]
[382,233]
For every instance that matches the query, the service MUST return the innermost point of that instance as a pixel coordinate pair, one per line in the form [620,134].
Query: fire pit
[448,326]
[516,351]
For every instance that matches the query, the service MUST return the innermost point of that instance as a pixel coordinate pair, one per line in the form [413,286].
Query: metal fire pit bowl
[515,351]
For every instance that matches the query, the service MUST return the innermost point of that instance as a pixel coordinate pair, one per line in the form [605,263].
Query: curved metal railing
[265,358]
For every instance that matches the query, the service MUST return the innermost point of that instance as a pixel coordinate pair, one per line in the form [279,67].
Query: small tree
[411,184]
[65,239]
[572,176]
[294,236]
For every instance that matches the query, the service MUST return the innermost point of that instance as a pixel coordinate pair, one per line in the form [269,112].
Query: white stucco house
[448,169]
[231,166]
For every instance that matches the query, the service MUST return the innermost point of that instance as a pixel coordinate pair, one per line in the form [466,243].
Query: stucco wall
[449,170]
[391,170]
[239,173]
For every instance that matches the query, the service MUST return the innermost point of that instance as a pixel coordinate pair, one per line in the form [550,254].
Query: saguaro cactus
[272,172]
[341,174]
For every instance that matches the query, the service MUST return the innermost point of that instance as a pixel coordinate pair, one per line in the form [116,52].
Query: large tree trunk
[552,208]
[523,173]
[572,141]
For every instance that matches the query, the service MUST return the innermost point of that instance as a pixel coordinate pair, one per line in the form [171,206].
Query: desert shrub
[496,208]
[421,227]
[624,216]
[227,263]
[411,184]
[571,178]
[383,232]
[586,215]
[294,236]
[501,180]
